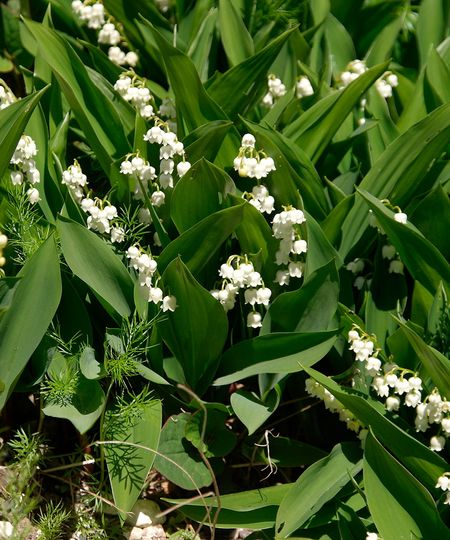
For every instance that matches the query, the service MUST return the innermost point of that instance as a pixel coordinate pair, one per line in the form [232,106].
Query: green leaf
[199,243]
[254,509]
[199,193]
[319,124]
[128,466]
[89,366]
[400,505]
[218,440]
[332,226]
[86,407]
[436,364]
[273,353]
[423,260]
[320,483]
[236,39]
[310,308]
[351,526]
[177,459]
[93,261]
[200,49]
[196,331]
[194,103]
[13,121]
[398,172]
[436,203]
[251,410]
[23,325]
[97,117]
[242,86]
[320,251]
[430,26]
[206,141]
[426,465]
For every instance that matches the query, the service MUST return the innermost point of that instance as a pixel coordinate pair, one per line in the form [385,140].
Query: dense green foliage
[221,223]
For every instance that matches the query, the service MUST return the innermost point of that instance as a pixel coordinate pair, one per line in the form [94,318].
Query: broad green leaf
[98,119]
[401,507]
[199,193]
[340,44]
[255,509]
[236,39]
[426,465]
[193,102]
[320,483]
[251,410]
[310,308]
[273,353]
[177,459]
[319,124]
[398,172]
[351,526]
[437,76]
[200,48]
[436,203]
[13,121]
[435,363]
[128,466]
[89,365]
[92,260]
[423,260]
[320,251]
[196,331]
[212,437]
[242,86]
[86,407]
[332,226]
[381,48]
[206,141]
[23,325]
[197,245]
[430,26]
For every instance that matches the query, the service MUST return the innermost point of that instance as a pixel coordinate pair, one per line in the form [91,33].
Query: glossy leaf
[13,120]
[128,466]
[423,260]
[320,483]
[177,459]
[196,331]
[36,299]
[273,353]
[93,261]
[400,506]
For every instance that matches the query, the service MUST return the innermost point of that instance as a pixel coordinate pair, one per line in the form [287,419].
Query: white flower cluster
[25,167]
[252,163]
[356,267]
[303,87]
[6,96]
[260,199]
[372,536]
[433,409]
[93,14]
[356,68]
[170,147]
[315,389]
[3,244]
[148,278]
[276,89]
[132,88]
[139,169]
[74,178]
[238,273]
[363,347]
[101,214]
[286,228]
[443,483]
[395,264]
